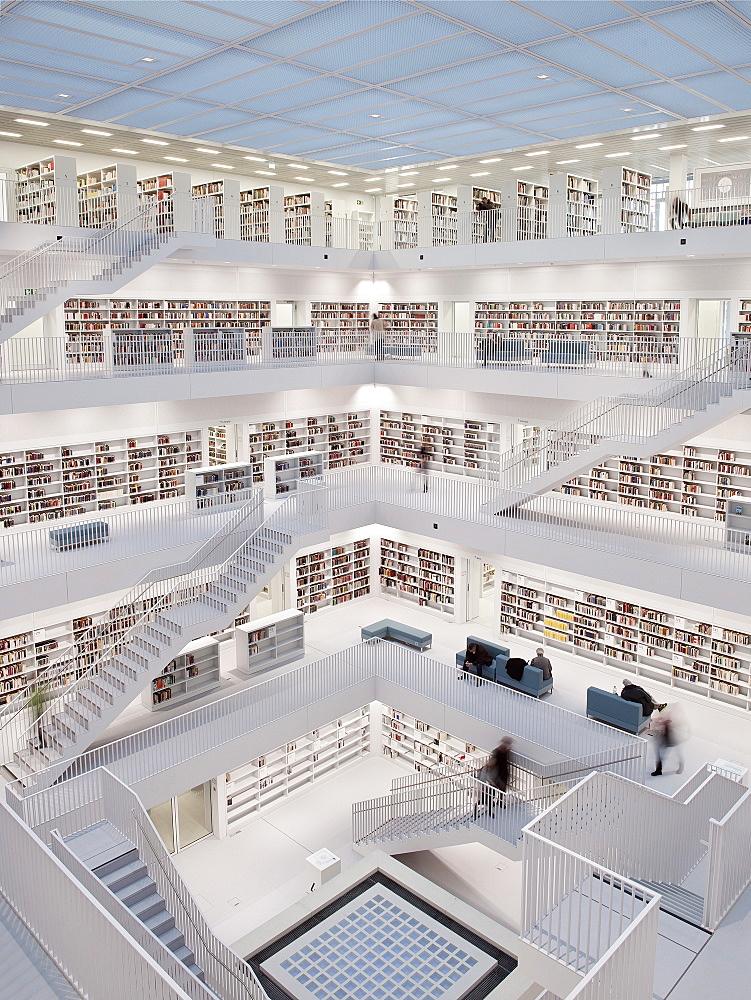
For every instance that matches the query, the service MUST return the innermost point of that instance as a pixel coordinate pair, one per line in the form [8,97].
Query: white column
[678,171]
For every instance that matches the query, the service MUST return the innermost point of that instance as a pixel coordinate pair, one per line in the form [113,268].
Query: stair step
[185,955]
[197,972]
[134,892]
[173,938]
[82,714]
[124,875]
[148,906]
[159,923]
[112,859]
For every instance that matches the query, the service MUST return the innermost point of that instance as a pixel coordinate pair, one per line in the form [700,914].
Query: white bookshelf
[348,321]
[270,642]
[332,575]
[574,205]
[46,192]
[461,445]
[304,219]
[418,575]
[282,475]
[410,325]
[106,194]
[261,214]
[405,221]
[744,316]
[53,481]
[630,330]
[219,201]
[423,746]
[658,643]
[191,674]
[290,767]
[693,481]
[219,480]
[342,438]
[220,444]
[440,211]
[525,210]
[170,193]
[625,200]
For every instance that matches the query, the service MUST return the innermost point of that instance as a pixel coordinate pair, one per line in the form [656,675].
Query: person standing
[425,457]
[377,330]
[666,739]
[485,205]
[544,664]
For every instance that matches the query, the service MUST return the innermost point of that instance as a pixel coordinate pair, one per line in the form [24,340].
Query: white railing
[102,794]
[368,672]
[182,351]
[697,208]
[91,949]
[606,816]
[587,917]
[626,420]
[729,871]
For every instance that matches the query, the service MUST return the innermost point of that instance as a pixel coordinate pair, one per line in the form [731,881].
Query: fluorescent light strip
[705,128]
[201,149]
[67,142]
[367,190]
[155,142]
[312,180]
[344,184]
[369,180]
[538,152]
[733,138]
[452,167]
[12,135]
[560,163]
[589,145]
[680,145]
[177,159]
[338,173]
[94,131]
[483,173]
[31,121]
[522,168]
[222,166]
[625,152]
[409,173]
[496,159]
[268,173]
[645,135]
[131,152]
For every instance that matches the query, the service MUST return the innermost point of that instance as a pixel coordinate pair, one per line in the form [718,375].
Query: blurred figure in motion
[425,457]
[666,739]
[495,775]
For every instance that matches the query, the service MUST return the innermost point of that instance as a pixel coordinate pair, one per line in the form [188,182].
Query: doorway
[480,592]
[184,819]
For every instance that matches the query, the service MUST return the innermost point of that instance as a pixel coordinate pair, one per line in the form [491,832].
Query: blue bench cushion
[389,629]
[531,681]
[605,706]
[79,534]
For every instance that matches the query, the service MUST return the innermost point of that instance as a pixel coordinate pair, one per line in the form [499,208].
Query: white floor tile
[672,961]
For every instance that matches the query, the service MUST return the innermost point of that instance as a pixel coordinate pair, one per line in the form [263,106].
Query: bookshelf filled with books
[411,328]
[418,575]
[107,194]
[46,191]
[341,438]
[348,323]
[426,747]
[332,575]
[191,674]
[269,642]
[462,445]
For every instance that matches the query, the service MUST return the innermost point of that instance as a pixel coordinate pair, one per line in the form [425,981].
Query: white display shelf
[441,208]
[220,201]
[171,195]
[626,200]
[342,438]
[46,483]
[219,480]
[46,192]
[332,575]
[462,445]
[304,218]
[292,766]
[411,325]
[574,205]
[633,330]
[704,657]
[283,475]
[270,642]
[106,194]
[693,481]
[425,747]
[525,210]
[417,574]
[191,674]
[220,440]
[349,321]
[405,223]
[261,214]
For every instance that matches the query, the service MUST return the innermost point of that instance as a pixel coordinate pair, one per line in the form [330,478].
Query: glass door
[183,820]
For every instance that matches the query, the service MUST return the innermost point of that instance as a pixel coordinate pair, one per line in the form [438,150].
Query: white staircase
[32,284]
[636,425]
[167,610]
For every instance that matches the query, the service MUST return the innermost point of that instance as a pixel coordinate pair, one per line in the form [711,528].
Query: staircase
[117,864]
[163,613]
[637,425]
[678,901]
[32,284]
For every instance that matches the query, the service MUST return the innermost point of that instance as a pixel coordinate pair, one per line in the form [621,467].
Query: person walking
[632,692]
[666,738]
[544,664]
[425,457]
[501,757]
[377,330]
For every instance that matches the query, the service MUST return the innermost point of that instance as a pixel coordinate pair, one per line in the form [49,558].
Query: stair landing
[99,844]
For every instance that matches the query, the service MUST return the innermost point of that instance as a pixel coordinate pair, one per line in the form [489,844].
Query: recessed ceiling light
[371,190]
[522,168]
[483,173]
[368,180]
[645,135]
[589,145]
[94,131]
[705,128]
[398,185]
[31,121]
[132,152]
[542,76]
[729,138]
[270,173]
[374,116]
[201,149]
[680,145]
[67,142]
[538,152]
[155,142]
[338,173]
[147,59]
[12,135]
[294,166]
[409,173]
[344,184]
[452,166]
[437,180]
[496,159]
[63,95]
[222,166]
[392,170]
[561,162]
[625,152]
[177,159]
[627,109]
[311,180]
[255,159]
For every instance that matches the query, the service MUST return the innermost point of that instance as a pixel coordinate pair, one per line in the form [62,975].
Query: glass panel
[161,817]
[194,814]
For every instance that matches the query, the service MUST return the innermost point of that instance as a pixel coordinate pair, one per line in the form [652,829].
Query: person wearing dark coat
[496,773]
[541,661]
[476,658]
[632,692]
[515,667]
